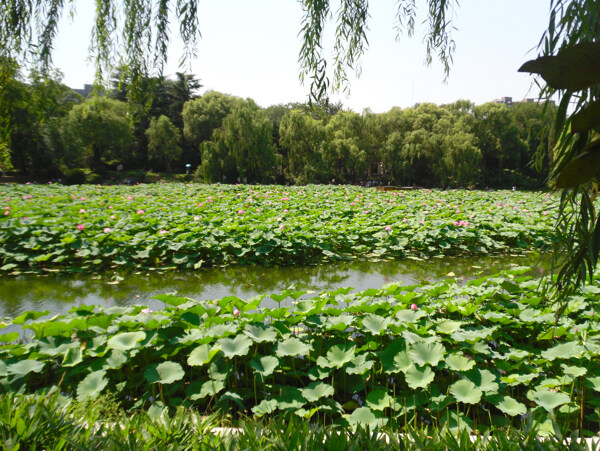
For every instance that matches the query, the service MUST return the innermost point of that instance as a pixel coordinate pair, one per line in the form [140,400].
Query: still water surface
[58,292]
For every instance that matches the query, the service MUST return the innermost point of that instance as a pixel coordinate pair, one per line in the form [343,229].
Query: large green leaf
[465,391]
[198,389]
[594,382]
[92,385]
[586,119]
[427,353]
[265,407]
[571,349]
[341,322]
[292,347]
[29,315]
[25,367]
[360,364]
[265,366]
[375,324]
[126,340]
[164,373]
[379,400]
[317,390]
[259,332]
[339,355]
[366,418]
[550,400]
[202,355]
[574,68]
[232,347]
[510,406]
[290,398]
[447,327]
[419,377]
[456,362]
[484,380]
[582,168]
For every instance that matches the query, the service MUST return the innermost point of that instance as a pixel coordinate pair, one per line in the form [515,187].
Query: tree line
[164,125]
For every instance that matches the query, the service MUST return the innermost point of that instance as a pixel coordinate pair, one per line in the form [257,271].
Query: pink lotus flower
[107,230]
[241,212]
[80,226]
[7,212]
[388,228]
[236,312]
[545,213]
[413,307]
[196,218]
[163,232]
[147,310]
[81,210]
[281,226]
[140,212]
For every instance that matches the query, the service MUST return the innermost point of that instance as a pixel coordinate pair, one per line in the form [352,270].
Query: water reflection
[58,293]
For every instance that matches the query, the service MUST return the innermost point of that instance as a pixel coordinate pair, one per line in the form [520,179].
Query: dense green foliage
[228,139]
[188,226]
[55,422]
[163,141]
[446,355]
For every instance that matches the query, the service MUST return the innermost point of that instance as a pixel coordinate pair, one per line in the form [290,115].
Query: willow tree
[29,27]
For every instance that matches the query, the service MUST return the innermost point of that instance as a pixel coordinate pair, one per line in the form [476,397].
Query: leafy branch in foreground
[575,72]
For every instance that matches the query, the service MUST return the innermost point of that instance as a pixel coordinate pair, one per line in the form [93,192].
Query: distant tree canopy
[229,139]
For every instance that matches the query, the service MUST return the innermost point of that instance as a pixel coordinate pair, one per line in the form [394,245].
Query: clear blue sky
[250,49]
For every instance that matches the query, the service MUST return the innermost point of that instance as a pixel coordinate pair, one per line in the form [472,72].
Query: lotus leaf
[375,324]
[198,390]
[126,340]
[366,418]
[465,391]
[292,347]
[426,353]
[164,373]
[265,366]
[339,355]
[379,400]
[202,355]
[510,406]
[569,350]
[317,390]
[265,407]
[456,362]
[550,400]
[290,398]
[260,332]
[24,367]
[484,380]
[92,385]
[232,347]
[419,377]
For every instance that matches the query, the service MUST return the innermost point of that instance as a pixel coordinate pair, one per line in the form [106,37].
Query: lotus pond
[484,354]
[437,349]
[57,292]
[94,228]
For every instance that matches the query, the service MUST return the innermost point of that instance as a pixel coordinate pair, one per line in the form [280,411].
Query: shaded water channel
[59,292]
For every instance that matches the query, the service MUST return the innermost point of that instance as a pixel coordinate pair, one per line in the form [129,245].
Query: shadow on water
[57,293]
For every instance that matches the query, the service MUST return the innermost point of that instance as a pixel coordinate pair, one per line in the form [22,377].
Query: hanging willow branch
[134,35]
